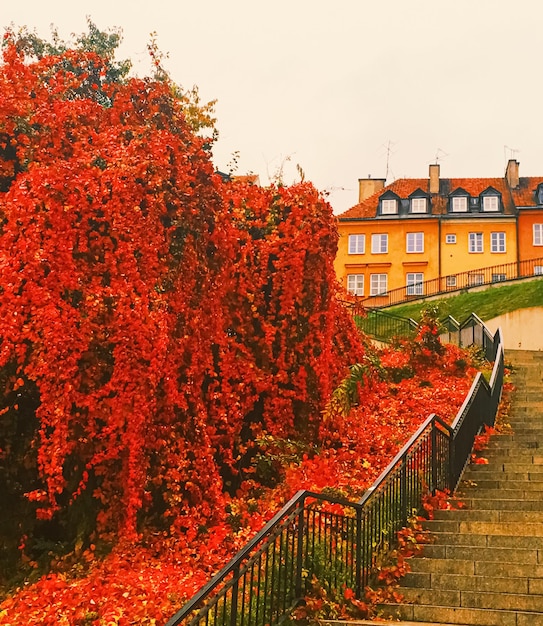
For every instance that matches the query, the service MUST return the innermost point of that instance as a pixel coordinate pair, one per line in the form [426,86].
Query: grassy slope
[487,303]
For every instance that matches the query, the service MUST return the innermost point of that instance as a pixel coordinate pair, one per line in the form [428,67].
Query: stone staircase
[485,566]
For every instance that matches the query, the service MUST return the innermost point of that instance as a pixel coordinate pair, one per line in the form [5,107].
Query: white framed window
[459,204]
[355,284]
[419,205]
[476,279]
[378,284]
[389,207]
[497,242]
[379,243]
[450,281]
[414,284]
[538,234]
[357,244]
[414,242]
[491,203]
[538,270]
[450,238]
[475,242]
[498,278]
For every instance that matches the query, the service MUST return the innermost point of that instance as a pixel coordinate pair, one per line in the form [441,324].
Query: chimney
[368,186]
[434,178]
[511,173]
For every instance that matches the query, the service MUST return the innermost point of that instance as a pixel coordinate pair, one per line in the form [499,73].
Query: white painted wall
[522,329]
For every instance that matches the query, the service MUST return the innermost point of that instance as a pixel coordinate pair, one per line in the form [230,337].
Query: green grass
[487,303]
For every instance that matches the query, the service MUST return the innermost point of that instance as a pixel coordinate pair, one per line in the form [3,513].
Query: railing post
[403,489]
[358,563]
[452,444]
[433,486]
[235,590]
[300,551]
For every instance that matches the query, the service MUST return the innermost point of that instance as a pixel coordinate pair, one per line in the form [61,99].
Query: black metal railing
[454,282]
[383,325]
[317,537]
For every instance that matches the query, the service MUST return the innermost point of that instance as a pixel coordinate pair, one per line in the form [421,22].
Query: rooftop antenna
[388,148]
[512,153]
[440,154]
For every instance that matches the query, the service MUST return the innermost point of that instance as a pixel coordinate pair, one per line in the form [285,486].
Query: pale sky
[345,89]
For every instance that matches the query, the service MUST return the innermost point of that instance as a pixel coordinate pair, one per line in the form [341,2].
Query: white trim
[419,205]
[475,243]
[413,281]
[378,284]
[355,284]
[389,206]
[379,243]
[491,203]
[459,204]
[497,242]
[357,244]
[414,242]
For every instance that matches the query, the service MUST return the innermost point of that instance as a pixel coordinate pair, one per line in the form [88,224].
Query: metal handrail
[452,283]
[383,325]
[338,541]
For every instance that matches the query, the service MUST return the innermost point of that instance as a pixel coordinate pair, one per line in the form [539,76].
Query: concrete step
[501,493]
[498,458]
[502,505]
[508,439]
[532,555]
[474,599]
[443,537]
[470,567]
[526,441]
[477,472]
[484,528]
[525,428]
[461,615]
[515,466]
[523,443]
[489,515]
[500,483]
[370,622]
[487,584]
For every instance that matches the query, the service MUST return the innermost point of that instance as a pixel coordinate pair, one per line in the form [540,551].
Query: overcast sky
[345,89]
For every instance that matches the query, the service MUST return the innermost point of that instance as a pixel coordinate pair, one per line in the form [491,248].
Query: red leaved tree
[154,319]
[110,298]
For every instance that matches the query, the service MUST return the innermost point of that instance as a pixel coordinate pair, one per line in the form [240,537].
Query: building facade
[415,230]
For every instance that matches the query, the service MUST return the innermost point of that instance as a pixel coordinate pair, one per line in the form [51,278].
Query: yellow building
[402,235]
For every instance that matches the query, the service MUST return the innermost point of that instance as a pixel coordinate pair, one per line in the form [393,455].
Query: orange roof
[252,179]
[524,195]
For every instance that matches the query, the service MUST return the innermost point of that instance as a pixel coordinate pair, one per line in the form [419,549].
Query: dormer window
[389,203]
[459,204]
[418,202]
[491,203]
[539,194]
[389,207]
[459,201]
[419,205]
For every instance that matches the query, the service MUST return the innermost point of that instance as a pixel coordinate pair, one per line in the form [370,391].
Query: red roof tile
[524,195]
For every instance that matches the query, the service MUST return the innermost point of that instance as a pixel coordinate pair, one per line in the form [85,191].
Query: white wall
[522,329]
